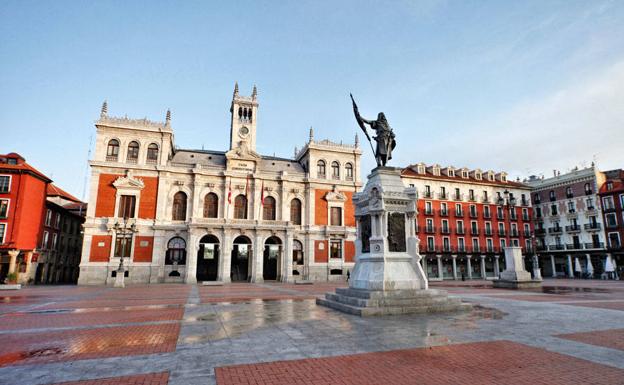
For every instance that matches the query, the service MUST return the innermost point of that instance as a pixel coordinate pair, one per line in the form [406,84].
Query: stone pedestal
[387,277]
[515,276]
[120,278]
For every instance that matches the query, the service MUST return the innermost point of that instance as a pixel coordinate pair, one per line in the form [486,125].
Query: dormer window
[421,169]
[478,175]
[465,174]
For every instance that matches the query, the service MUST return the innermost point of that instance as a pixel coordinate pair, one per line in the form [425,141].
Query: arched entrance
[208,258]
[272,253]
[241,256]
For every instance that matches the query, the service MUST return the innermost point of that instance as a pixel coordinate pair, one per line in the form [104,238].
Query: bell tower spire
[244,111]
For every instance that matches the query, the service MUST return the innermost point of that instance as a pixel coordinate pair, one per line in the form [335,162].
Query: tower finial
[254,93]
[296,151]
[168,117]
[357,140]
[311,134]
[104,111]
[236,89]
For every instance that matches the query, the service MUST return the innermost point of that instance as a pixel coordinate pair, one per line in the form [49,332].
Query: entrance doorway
[241,257]
[271,258]
[208,258]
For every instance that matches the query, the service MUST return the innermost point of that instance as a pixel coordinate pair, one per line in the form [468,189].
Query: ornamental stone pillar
[191,258]
[13,260]
[440,272]
[469,266]
[225,257]
[455,267]
[287,267]
[257,268]
[483,276]
[553,266]
[570,268]
[496,266]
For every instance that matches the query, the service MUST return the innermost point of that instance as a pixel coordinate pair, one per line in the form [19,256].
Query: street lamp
[122,230]
[537,274]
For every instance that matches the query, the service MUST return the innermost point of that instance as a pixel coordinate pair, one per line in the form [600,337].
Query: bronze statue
[385,136]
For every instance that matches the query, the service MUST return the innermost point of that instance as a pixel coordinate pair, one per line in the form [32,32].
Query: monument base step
[10,286]
[303,282]
[511,284]
[377,303]
[212,283]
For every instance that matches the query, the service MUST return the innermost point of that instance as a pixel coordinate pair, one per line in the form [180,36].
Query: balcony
[443,213]
[433,248]
[608,209]
[556,247]
[554,213]
[592,226]
[555,230]
[428,212]
[572,228]
[430,229]
[591,208]
[487,215]
[615,247]
[542,248]
[445,230]
[476,249]
[459,214]
[513,217]
[594,245]
[514,233]
[458,197]
[500,216]
[540,231]
[491,249]
[524,202]
[525,218]
[527,233]
[111,158]
[538,215]
[472,198]
[485,200]
[589,192]
[443,195]
[611,225]
[427,194]
[473,214]
[574,246]
[569,195]
[460,231]
[488,232]
[571,211]
[474,231]
[501,232]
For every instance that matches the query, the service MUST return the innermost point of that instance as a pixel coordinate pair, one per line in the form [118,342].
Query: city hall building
[180,215]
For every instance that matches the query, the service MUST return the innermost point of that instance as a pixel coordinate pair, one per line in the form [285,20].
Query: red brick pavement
[139,379]
[69,345]
[612,338]
[17,321]
[499,362]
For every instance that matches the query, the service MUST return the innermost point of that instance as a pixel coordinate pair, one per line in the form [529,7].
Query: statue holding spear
[384,135]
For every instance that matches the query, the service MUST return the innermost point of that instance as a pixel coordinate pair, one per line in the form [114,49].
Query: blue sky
[525,86]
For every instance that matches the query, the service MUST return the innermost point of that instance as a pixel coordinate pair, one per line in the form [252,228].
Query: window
[349,171]
[609,185]
[525,214]
[458,210]
[536,198]
[551,194]
[152,153]
[427,191]
[485,196]
[112,151]
[488,228]
[471,195]
[446,243]
[490,245]
[4,208]
[614,240]
[442,192]
[607,203]
[443,209]
[335,248]
[54,241]
[553,210]
[5,183]
[320,169]
[611,220]
[502,243]
[335,170]
[460,244]
[211,206]
[486,212]
[428,208]
[457,194]
[445,226]
[240,207]
[126,206]
[499,213]
[473,211]
[430,245]
[514,230]
[622,201]
[569,192]
[178,212]
[460,227]
[429,225]
[2,231]
[133,152]
[48,219]
[295,211]
[297,253]
[123,245]
[176,251]
[336,216]
[588,189]
[475,244]
[571,208]
[268,209]
[44,240]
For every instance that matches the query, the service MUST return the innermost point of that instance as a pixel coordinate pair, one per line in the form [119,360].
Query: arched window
[152,153]
[112,151]
[335,170]
[211,205]
[179,207]
[240,207]
[320,169]
[297,253]
[349,171]
[268,209]
[133,152]
[551,194]
[295,211]
[569,193]
[176,251]
[588,190]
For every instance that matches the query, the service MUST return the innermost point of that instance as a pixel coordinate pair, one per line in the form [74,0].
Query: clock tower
[244,112]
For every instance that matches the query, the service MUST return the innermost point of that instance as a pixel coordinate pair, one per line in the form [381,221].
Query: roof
[21,166]
[616,178]
[410,173]
[55,191]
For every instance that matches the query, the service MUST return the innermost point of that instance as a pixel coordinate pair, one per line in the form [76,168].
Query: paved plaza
[571,331]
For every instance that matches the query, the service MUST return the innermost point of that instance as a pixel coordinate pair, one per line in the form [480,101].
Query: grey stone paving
[261,331]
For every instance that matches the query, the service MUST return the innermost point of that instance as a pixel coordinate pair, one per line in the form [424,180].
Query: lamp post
[537,274]
[122,230]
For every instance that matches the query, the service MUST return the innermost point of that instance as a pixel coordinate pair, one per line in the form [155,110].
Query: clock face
[244,131]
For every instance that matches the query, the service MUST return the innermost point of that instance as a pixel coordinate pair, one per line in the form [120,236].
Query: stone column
[483,272]
[424,266]
[440,272]
[257,259]
[570,268]
[469,266]
[589,268]
[225,257]
[496,266]
[455,267]
[191,258]
[287,260]
[553,266]
[13,260]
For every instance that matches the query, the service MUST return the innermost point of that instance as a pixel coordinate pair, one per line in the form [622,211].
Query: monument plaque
[396,232]
[365,232]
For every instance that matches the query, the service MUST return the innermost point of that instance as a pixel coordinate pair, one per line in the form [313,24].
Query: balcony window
[127,204]
[588,190]
[349,171]
[240,207]
[335,249]
[335,170]
[552,196]
[133,152]
[268,209]
[569,193]
[320,169]
[152,153]
[427,191]
[336,216]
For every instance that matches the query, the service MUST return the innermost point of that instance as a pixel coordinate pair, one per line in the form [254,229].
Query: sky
[526,87]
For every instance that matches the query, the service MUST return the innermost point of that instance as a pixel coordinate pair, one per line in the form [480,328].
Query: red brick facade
[321,255]
[143,249]
[100,248]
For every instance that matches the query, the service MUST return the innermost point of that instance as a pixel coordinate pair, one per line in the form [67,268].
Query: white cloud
[559,131]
